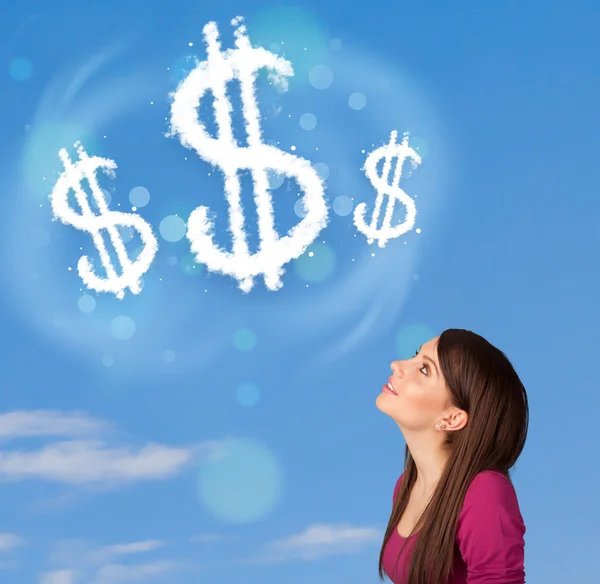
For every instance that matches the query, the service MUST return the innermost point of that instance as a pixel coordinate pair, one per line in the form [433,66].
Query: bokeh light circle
[342,205]
[317,263]
[108,360]
[169,356]
[172,228]
[419,145]
[299,208]
[240,482]
[335,44]
[248,394]
[322,170]
[320,77]
[122,327]
[410,338]
[20,69]
[244,340]
[357,101]
[308,121]
[86,303]
[139,196]
[189,266]
[275,179]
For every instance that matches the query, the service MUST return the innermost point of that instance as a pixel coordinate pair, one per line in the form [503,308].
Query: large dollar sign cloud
[132,270]
[214,74]
[383,186]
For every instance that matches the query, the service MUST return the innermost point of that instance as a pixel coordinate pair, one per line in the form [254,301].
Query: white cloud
[110,553]
[86,459]
[82,562]
[49,423]
[59,577]
[320,540]
[8,541]
[80,462]
[119,573]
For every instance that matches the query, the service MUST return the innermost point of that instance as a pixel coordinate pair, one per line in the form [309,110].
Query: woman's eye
[426,370]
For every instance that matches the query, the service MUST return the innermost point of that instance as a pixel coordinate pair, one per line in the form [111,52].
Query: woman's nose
[396,367]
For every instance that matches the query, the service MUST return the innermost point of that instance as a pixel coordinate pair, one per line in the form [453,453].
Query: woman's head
[464,391]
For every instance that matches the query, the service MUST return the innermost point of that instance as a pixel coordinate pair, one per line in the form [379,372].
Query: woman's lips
[389,388]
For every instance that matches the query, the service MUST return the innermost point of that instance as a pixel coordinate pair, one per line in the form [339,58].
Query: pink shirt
[489,538]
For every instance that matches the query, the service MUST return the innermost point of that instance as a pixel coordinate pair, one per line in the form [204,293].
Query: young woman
[464,414]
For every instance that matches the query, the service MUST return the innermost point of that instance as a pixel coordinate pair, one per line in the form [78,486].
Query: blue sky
[197,434]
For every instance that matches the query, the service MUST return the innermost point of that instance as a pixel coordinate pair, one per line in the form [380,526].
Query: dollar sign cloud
[131,270]
[221,67]
[383,187]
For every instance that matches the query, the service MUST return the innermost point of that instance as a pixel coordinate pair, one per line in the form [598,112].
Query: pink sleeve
[490,532]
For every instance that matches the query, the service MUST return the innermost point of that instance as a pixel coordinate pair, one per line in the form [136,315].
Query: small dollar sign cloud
[383,187]
[70,180]
[221,67]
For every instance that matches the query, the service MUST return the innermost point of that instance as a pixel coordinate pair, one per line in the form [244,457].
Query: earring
[443,426]
[438,426]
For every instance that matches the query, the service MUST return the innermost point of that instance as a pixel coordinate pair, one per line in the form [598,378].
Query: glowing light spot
[320,77]
[86,303]
[342,205]
[322,170]
[169,356]
[172,228]
[241,483]
[189,266]
[244,340]
[308,121]
[317,264]
[357,101]
[275,179]
[420,146]
[299,208]
[139,196]
[108,361]
[122,327]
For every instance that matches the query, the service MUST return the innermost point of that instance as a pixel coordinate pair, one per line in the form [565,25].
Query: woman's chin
[382,403]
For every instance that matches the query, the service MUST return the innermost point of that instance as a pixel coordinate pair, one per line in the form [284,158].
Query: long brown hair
[483,383]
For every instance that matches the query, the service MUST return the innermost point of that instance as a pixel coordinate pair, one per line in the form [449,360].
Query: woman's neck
[430,460]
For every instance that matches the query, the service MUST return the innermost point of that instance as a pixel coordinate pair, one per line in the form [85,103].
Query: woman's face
[418,398]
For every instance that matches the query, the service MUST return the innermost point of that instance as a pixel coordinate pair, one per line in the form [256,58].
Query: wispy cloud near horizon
[82,562]
[22,423]
[319,540]
[9,541]
[92,457]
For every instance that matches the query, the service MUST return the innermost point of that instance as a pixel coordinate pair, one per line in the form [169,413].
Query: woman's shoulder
[490,485]
[491,495]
